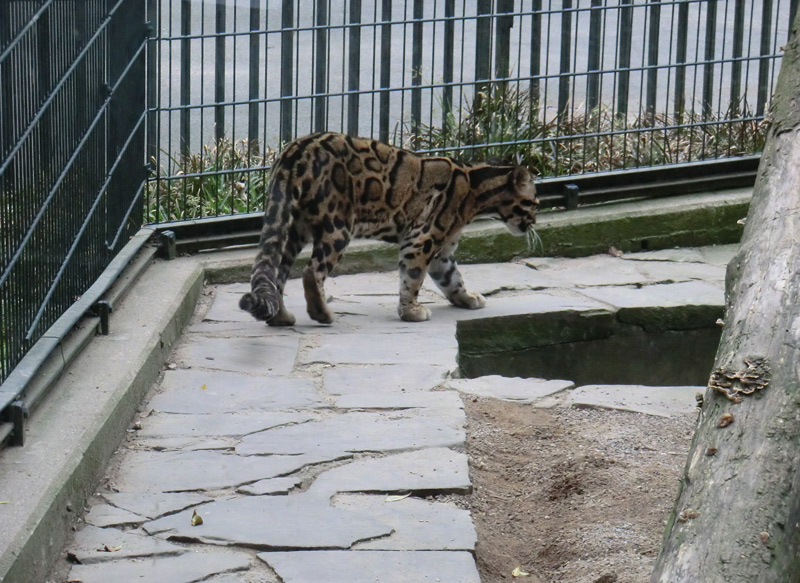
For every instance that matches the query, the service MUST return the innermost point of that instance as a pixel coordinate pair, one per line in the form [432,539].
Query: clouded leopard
[328,188]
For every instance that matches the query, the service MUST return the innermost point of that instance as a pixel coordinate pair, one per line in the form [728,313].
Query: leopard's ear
[521,177]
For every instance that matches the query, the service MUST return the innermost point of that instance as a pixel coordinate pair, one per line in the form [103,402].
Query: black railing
[72,160]
[573,86]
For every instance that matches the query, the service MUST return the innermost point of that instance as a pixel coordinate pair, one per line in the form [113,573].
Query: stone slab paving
[308,451]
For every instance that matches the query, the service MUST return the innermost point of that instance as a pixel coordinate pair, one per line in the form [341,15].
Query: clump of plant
[228,178]
[508,125]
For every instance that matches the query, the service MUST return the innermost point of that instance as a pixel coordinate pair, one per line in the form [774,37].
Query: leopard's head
[518,211]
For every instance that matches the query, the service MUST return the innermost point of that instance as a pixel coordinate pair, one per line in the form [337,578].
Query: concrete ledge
[76,430]
[681,221]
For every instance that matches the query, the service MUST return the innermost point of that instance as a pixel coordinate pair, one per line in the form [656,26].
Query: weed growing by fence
[505,125]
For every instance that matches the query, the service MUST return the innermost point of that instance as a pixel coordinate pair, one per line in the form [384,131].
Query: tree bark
[737,515]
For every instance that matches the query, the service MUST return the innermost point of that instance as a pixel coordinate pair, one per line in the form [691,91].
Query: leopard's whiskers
[534,240]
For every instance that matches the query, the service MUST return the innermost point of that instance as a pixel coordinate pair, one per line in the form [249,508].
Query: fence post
[219,72]
[483,47]
[416,69]
[354,67]
[536,53]
[185,89]
[564,62]
[449,47]
[654,14]
[152,80]
[593,61]
[765,62]
[625,34]
[736,65]
[708,55]
[321,67]
[287,69]
[503,26]
[253,81]
[680,57]
[386,70]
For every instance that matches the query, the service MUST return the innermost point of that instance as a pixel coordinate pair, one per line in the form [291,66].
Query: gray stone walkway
[298,448]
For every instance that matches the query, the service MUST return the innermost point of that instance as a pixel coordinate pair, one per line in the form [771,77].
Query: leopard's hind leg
[294,244]
[328,249]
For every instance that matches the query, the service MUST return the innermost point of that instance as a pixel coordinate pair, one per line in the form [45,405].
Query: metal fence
[573,86]
[72,158]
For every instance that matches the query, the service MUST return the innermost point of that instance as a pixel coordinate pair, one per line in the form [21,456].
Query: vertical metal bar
[287,69]
[449,47]
[483,46]
[736,65]
[564,63]
[536,53]
[44,83]
[354,67]
[624,65]
[503,26]
[654,14]
[680,57]
[321,67]
[416,68]
[219,71]
[593,64]
[255,67]
[186,62]
[764,63]
[708,55]
[152,81]
[386,70]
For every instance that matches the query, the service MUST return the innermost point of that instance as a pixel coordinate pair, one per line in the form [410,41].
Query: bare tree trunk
[737,516]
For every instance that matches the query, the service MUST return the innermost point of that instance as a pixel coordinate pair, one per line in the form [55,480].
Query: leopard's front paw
[413,313]
[469,301]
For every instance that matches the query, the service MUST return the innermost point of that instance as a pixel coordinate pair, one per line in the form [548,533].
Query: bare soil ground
[571,495]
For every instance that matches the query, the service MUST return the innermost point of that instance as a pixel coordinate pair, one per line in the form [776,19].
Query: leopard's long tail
[267,279]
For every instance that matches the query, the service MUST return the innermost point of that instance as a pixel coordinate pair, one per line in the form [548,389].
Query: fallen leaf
[398,497]
[518,572]
[5,501]
[204,387]
[107,549]
[197,520]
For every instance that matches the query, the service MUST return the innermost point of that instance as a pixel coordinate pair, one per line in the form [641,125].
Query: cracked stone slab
[215,425]
[605,270]
[373,566]
[374,379]
[256,356]
[154,505]
[186,568]
[719,255]
[103,515]
[301,521]
[227,392]
[490,278]
[660,401]
[271,486]
[666,295]
[360,431]
[100,545]
[521,390]
[425,470]
[418,525]
[408,400]
[382,348]
[146,471]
